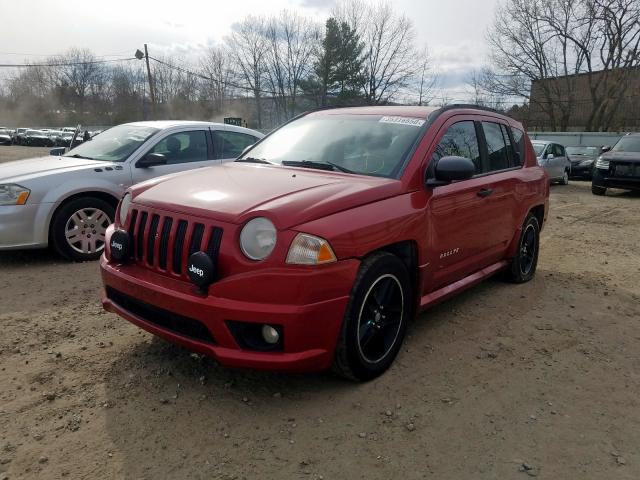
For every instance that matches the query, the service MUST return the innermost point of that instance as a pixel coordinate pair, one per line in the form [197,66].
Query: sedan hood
[234,192]
[622,156]
[24,170]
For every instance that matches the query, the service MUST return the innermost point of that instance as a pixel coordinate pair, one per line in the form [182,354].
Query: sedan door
[183,150]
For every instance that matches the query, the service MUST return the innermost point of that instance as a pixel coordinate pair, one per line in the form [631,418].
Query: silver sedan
[554,159]
[69,200]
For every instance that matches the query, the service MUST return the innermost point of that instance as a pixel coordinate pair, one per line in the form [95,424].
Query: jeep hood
[234,192]
[23,170]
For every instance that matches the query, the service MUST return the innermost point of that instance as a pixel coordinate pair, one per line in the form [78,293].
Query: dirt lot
[544,374]
[13,152]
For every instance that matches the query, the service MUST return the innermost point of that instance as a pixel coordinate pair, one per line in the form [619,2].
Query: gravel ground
[501,382]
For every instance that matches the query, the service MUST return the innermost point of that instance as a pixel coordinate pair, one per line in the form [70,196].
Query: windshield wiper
[330,166]
[77,155]
[253,160]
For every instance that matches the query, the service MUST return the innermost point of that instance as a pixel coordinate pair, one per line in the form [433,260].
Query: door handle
[485,192]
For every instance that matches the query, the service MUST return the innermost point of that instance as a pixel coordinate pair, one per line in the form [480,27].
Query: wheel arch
[407,252]
[102,195]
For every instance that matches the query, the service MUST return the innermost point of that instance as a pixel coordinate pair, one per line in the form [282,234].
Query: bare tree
[216,66]
[248,46]
[78,76]
[428,78]
[390,54]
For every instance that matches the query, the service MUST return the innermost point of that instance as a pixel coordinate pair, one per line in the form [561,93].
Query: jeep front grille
[163,242]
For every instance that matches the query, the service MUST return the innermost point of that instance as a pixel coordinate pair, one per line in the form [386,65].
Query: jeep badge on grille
[201,269]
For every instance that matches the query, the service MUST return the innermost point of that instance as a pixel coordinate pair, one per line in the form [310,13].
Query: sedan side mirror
[449,169]
[549,156]
[57,151]
[151,160]
[605,149]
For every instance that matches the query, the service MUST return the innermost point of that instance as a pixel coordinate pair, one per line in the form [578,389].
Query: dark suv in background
[618,167]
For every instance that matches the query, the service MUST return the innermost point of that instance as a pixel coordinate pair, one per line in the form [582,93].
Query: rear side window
[498,158]
[231,144]
[518,138]
[460,140]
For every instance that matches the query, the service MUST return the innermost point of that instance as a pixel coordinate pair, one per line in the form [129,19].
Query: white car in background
[69,200]
[554,159]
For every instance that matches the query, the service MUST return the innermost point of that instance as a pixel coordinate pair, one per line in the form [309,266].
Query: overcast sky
[454,30]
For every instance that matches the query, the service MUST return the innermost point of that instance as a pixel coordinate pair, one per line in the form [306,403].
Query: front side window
[231,144]
[460,140]
[496,147]
[183,147]
[363,144]
[114,144]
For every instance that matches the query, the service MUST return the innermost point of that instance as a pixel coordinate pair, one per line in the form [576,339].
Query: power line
[63,64]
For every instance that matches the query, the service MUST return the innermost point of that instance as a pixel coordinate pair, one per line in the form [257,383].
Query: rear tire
[78,228]
[523,265]
[598,190]
[375,320]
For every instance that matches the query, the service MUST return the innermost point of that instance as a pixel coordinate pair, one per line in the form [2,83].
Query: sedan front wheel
[79,228]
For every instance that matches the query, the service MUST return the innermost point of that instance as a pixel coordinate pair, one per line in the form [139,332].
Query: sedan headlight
[125,205]
[11,194]
[602,163]
[310,250]
[258,238]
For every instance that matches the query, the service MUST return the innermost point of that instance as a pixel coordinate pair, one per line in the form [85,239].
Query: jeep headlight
[602,163]
[258,238]
[310,250]
[125,205]
[12,194]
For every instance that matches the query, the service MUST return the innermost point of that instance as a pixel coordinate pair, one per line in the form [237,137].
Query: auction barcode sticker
[414,122]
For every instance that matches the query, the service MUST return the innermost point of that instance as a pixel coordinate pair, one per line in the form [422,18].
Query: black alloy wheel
[523,265]
[376,318]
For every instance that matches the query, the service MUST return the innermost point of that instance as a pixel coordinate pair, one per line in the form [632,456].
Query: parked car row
[45,137]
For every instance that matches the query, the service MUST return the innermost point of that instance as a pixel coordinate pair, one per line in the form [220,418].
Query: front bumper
[582,169]
[24,226]
[309,310]
[602,178]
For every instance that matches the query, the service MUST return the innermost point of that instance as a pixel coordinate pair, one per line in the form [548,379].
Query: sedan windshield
[114,144]
[539,148]
[627,144]
[363,144]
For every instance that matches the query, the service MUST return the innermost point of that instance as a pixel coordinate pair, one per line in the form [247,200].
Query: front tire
[375,320]
[598,190]
[523,265]
[78,228]
[565,178]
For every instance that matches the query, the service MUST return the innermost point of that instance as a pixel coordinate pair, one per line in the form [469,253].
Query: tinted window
[496,147]
[231,144]
[518,138]
[558,150]
[460,140]
[183,147]
[511,153]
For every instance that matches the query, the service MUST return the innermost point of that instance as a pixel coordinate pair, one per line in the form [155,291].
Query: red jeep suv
[317,246]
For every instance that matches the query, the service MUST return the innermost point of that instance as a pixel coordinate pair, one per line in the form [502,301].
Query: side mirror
[449,169]
[549,156]
[605,149]
[151,160]
[57,151]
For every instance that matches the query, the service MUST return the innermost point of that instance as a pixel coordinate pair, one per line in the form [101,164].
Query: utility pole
[152,91]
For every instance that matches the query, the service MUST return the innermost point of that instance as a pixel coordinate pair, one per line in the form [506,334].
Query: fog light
[270,334]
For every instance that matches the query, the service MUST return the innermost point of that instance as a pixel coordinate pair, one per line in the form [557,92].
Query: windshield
[539,148]
[364,144]
[114,144]
[583,150]
[627,144]
[34,132]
